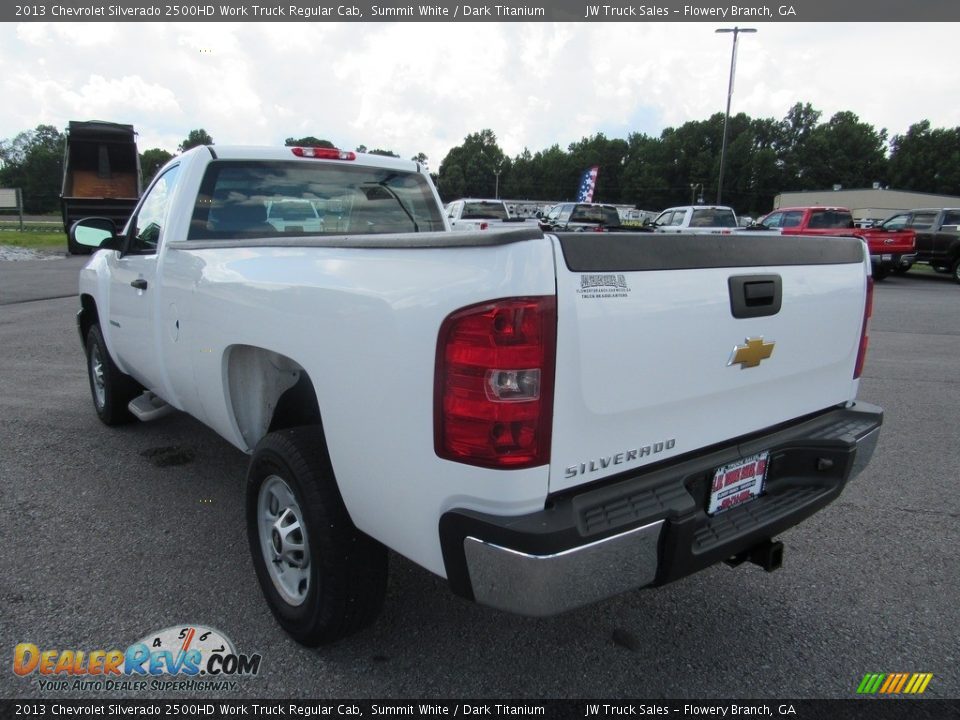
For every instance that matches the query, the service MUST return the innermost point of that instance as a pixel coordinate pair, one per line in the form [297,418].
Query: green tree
[518,183]
[643,182]
[385,153]
[151,161]
[33,162]
[308,141]
[847,152]
[793,146]
[926,160]
[195,138]
[470,169]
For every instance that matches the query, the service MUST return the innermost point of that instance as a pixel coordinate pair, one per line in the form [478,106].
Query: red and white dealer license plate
[737,483]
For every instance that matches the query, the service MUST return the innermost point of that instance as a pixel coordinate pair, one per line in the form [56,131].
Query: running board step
[149,406]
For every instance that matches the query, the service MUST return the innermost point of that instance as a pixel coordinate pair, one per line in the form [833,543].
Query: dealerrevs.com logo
[181,657]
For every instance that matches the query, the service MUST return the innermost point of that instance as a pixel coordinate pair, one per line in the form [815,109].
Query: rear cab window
[262,199]
[830,220]
[479,210]
[600,214]
[713,217]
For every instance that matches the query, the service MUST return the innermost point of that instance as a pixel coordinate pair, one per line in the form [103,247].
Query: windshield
[484,211]
[241,199]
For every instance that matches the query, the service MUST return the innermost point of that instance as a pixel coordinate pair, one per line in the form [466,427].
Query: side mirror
[96,232]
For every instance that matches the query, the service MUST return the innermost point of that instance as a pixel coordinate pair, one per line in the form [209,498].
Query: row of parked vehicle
[926,235]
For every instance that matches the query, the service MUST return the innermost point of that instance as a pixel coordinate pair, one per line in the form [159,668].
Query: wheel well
[268,392]
[88,315]
[297,406]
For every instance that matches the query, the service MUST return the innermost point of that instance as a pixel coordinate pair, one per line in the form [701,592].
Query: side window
[897,222]
[951,217]
[664,218]
[678,218]
[792,219]
[148,224]
[565,212]
[923,220]
[773,221]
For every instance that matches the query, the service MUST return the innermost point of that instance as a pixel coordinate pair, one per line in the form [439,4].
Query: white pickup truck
[476,214]
[544,420]
[696,219]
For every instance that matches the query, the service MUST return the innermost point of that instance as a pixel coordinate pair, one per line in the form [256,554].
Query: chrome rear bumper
[651,528]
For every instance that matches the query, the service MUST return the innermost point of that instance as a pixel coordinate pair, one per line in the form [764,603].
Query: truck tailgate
[647,342]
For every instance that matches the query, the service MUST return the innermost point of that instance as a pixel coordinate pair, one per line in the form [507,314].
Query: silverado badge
[751,354]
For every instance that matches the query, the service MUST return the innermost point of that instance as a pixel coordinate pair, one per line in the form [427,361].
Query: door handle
[139,284]
[754,296]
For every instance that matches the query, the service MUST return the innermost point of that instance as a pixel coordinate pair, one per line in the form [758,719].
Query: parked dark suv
[581,217]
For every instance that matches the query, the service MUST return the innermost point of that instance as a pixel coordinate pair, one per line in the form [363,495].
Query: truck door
[922,222]
[947,234]
[134,291]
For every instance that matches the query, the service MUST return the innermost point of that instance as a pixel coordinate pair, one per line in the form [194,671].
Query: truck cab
[696,219]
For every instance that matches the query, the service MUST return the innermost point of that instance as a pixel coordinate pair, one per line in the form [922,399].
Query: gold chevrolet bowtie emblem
[751,354]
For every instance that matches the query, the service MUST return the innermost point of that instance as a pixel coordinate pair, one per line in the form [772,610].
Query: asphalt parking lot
[102,542]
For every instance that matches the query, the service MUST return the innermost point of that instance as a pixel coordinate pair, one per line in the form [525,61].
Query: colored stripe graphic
[894,683]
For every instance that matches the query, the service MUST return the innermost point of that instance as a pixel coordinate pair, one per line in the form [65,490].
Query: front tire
[955,270]
[322,578]
[111,389]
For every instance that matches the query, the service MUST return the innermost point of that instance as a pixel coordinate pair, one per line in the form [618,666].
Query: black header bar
[714,11]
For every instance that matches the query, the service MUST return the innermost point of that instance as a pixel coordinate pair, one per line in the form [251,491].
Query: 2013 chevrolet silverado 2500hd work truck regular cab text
[544,420]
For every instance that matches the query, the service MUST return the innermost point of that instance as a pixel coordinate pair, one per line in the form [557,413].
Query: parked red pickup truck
[890,250]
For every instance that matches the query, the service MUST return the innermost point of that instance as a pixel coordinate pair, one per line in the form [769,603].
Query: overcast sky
[422,87]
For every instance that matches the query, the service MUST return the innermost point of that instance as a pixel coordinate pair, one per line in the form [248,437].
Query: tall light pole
[726,118]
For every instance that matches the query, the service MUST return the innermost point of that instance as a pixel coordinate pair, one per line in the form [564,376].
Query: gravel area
[10,252]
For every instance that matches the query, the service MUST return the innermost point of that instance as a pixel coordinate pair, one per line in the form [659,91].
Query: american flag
[587,183]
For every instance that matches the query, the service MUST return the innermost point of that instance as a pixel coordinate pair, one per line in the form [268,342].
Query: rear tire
[903,269]
[111,389]
[322,578]
[881,273]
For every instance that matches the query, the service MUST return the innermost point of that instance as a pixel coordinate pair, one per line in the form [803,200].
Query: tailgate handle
[755,295]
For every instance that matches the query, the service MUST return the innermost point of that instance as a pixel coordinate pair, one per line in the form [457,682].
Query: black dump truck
[101,174]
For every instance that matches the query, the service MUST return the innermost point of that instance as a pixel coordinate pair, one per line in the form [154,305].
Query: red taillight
[864,334]
[494,383]
[319,153]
